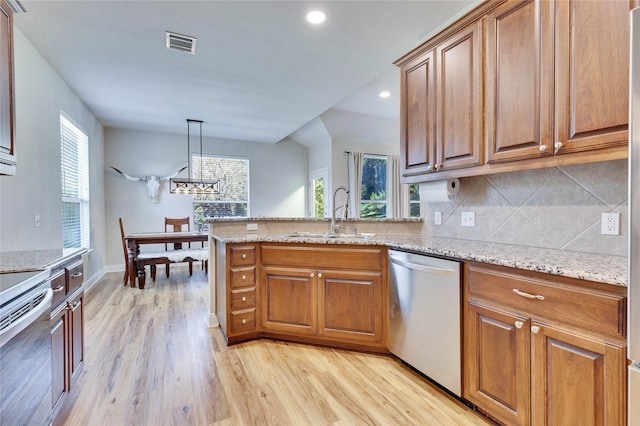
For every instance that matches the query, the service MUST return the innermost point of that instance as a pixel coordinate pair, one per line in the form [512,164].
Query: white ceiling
[260,71]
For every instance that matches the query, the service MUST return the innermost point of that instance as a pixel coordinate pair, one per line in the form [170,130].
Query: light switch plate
[36,221]
[438,218]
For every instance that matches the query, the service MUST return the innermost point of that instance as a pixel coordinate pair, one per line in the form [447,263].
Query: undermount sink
[358,236]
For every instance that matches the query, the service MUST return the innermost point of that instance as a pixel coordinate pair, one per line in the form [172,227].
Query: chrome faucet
[335,227]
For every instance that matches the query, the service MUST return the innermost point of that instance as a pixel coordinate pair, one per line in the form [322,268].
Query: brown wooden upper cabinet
[513,84]
[438,87]
[7,143]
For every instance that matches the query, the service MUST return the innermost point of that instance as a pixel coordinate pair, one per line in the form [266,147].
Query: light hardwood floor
[151,360]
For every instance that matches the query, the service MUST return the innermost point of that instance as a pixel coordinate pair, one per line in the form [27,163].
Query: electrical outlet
[468,219]
[438,218]
[36,221]
[252,226]
[610,223]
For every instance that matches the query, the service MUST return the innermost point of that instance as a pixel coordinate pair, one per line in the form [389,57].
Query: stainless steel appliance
[633,285]
[25,348]
[424,316]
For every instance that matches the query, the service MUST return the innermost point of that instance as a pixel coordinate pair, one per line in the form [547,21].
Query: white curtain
[354,169]
[397,192]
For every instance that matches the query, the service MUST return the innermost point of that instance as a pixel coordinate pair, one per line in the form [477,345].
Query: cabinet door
[519,80]
[7,149]
[76,336]
[289,300]
[497,363]
[576,380]
[417,116]
[459,99]
[350,306]
[592,74]
[58,356]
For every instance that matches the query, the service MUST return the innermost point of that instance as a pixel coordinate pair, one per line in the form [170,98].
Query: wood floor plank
[151,360]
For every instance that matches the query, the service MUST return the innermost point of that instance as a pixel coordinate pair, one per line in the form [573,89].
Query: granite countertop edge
[34,260]
[606,269]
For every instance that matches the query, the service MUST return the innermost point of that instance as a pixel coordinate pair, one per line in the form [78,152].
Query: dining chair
[126,256]
[179,225]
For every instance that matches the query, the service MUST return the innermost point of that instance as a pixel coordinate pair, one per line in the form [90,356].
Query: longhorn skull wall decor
[153,182]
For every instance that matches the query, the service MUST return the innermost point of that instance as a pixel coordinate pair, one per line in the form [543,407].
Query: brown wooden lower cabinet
[316,293]
[522,367]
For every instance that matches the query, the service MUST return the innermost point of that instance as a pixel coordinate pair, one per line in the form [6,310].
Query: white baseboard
[213,321]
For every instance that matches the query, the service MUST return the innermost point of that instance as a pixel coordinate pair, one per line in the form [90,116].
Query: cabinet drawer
[316,257]
[242,255]
[243,277]
[243,321]
[75,276]
[243,299]
[58,285]
[556,298]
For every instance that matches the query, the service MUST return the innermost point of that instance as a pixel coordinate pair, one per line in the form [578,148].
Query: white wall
[40,96]
[278,178]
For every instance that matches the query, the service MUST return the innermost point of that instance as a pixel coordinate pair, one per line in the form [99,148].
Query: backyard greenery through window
[233,199]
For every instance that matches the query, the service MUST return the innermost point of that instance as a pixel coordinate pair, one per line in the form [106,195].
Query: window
[317,192]
[233,199]
[74,149]
[373,202]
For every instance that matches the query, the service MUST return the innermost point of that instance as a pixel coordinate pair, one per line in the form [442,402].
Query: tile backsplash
[559,207]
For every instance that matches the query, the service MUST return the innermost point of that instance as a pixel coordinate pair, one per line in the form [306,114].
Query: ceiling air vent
[181,42]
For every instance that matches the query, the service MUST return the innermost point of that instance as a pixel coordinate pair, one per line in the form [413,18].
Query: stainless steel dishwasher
[424,316]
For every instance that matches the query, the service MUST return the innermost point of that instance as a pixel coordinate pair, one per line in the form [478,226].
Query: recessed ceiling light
[316,17]
[385,94]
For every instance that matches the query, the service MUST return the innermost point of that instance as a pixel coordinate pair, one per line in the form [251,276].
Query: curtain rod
[369,153]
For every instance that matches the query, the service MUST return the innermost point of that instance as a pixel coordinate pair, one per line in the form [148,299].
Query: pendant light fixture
[191,185]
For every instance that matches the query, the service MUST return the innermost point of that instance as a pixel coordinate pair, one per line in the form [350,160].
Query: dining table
[135,240]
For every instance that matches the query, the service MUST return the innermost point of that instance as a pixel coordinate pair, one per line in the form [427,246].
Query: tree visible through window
[373,202]
[233,199]
[74,167]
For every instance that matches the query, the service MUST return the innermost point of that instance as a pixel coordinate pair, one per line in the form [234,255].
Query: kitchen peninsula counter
[405,234]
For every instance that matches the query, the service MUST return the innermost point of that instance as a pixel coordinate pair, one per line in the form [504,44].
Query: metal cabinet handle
[79,274]
[244,320]
[59,288]
[312,275]
[429,167]
[244,299]
[543,148]
[244,277]
[527,295]
[319,274]
[519,324]
[558,145]
[438,166]
[535,329]
[244,256]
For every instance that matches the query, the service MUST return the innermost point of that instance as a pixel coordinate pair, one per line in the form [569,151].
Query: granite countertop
[34,260]
[585,266]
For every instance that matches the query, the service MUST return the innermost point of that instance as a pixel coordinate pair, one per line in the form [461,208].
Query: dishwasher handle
[423,268]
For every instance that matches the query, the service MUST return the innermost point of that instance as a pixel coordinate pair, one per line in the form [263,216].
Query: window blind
[74,149]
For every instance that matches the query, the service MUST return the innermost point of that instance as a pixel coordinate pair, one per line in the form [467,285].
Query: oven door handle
[28,319]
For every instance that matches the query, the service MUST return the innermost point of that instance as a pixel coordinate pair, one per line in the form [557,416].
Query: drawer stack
[242,289]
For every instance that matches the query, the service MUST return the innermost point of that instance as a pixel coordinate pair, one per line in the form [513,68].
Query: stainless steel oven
[25,348]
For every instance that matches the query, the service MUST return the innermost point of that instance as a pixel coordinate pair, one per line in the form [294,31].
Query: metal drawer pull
[244,320]
[244,299]
[519,324]
[319,274]
[527,295]
[244,256]
[244,277]
[535,329]
[79,274]
[59,288]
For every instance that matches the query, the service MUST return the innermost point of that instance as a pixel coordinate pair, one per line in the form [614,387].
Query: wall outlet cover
[610,224]
[438,218]
[468,219]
